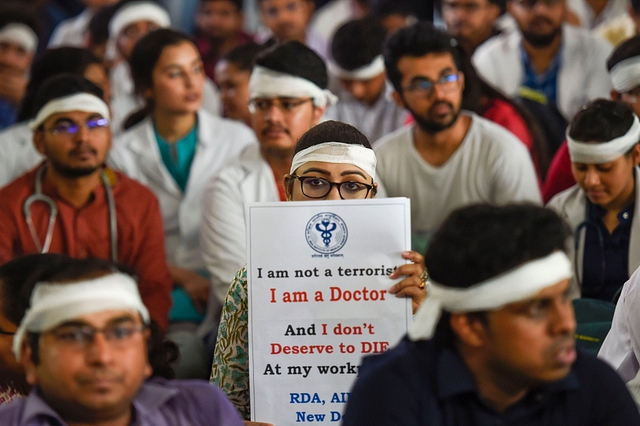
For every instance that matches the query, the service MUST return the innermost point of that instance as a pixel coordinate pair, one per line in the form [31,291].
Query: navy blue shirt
[545,83]
[418,383]
[605,263]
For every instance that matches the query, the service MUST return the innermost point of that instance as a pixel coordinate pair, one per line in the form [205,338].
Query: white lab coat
[136,153]
[582,76]
[17,152]
[223,235]
[124,101]
[571,205]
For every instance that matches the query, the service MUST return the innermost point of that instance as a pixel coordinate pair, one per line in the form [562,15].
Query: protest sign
[318,281]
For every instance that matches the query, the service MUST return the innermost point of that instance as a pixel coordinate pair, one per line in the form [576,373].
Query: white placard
[318,281]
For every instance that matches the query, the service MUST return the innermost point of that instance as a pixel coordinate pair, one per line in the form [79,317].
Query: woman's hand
[412,285]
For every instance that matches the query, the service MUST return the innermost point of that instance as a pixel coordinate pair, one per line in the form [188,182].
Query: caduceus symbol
[326,232]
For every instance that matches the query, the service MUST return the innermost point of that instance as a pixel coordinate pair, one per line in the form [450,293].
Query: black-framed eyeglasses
[425,86]
[283,104]
[81,336]
[317,187]
[68,127]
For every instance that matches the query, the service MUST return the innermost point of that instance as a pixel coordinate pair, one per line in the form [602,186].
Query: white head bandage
[76,102]
[516,285]
[55,304]
[20,34]
[367,72]
[604,152]
[337,152]
[134,12]
[625,75]
[267,83]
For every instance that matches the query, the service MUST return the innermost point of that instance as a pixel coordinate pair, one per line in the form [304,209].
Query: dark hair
[99,25]
[416,40]
[52,62]
[293,57]
[601,120]
[60,86]
[481,241]
[627,49]
[161,352]
[14,14]
[243,57]
[144,57]
[356,43]
[384,8]
[331,131]
[236,3]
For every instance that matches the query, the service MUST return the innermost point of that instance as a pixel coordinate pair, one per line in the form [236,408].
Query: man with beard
[449,158]
[288,95]
[493,342]
[72,204]
[552,63]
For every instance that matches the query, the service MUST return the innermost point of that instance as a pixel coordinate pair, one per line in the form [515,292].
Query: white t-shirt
[375,121]
[490,165]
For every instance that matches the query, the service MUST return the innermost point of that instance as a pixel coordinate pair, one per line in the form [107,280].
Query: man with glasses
[72,204]
[555,68]
[288,95]
[87,348]
[449,158]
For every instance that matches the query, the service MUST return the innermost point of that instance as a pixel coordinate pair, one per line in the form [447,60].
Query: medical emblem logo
[326,233]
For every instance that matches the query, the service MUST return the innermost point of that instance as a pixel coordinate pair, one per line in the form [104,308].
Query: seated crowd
[131,144]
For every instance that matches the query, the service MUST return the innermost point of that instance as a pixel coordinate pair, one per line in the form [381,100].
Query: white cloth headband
[135,12]
[625,75]
[20,34]
[367,72]
[267,83]
[76,102]
[516,285]
[604,152]
[337,152]
[55,304]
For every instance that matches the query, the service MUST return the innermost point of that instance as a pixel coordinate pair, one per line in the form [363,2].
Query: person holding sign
[332,161]
[494,341]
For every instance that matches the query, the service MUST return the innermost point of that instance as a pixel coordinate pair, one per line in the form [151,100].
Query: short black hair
[479,242]
[601,120]
[52,62]
[416,40]
[236,3]
[293,57]
[356,43]
[384,8]
[244,56]
[19,276]
[628,49]
[60,86]
[332,131]
[98,27]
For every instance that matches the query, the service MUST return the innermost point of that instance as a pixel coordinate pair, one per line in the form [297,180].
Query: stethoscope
[53,213]
[576,245]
